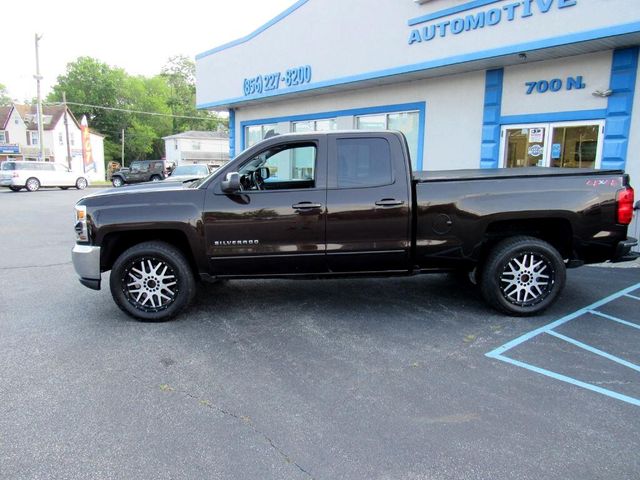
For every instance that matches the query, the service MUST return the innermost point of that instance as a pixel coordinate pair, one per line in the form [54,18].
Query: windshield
[190,170]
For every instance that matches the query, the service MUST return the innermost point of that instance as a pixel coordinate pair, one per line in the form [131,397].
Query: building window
[257,133]
[405,122]
[60,138]
[567,145]
[32,138]
[71,139]
[175,144]
[195,145]
[316,125]
[4,137]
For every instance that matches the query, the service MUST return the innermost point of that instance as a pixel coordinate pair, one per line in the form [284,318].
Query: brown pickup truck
[342,204]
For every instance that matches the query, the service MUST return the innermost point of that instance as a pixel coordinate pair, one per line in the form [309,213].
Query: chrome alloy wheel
[527,279]
[150,284]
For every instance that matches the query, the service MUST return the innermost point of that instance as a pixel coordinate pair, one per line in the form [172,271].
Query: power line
[134,111]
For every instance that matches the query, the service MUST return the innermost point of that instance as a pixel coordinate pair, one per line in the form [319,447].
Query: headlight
[82,232]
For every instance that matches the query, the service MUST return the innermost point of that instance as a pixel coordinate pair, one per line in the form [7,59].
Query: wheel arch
[113,244]
[556,231]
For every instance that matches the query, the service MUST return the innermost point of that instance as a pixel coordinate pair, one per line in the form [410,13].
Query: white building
[19,138]
[190,147]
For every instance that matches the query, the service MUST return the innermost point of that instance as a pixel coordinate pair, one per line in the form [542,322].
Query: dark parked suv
[140,171]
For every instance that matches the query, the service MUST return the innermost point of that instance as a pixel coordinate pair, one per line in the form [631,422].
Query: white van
[33,175]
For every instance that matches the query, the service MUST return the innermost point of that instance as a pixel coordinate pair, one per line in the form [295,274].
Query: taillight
[625,205]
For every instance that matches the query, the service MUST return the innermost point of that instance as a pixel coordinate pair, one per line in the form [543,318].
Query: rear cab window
[363,162]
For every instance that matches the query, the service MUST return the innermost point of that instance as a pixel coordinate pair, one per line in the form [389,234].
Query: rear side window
[8,166]
[363,162]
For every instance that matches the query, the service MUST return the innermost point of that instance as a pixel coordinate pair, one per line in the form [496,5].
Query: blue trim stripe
[490,145]
[633,27]
[598,114]
[232,134]
[548,329]
[624,68]
[255,33]
[450,11]
[401,107]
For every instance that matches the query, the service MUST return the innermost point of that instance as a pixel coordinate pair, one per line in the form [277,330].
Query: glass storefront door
[567,144]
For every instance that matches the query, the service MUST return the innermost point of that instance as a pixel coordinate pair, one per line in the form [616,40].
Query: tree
[5,99]
[95,84]
[180,74]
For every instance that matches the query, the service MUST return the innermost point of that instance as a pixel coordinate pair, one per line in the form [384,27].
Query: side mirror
[264,172]
[232,183]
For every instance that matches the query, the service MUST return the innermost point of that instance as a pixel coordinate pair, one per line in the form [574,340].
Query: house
[193,146]
[19,138]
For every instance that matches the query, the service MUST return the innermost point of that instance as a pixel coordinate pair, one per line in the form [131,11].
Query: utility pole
[38,77]
[66,129]
[122,153]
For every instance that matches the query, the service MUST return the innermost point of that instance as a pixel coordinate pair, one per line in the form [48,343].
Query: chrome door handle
[389,202]
[306,206]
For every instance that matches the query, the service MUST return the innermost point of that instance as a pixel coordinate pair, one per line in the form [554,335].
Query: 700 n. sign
[272,81]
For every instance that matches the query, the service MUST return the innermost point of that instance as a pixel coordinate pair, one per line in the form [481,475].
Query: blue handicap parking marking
[549,329]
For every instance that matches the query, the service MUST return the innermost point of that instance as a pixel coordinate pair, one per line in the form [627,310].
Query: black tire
[81,183]
[63,188]
[117,181]
[155,178]
[15,189]
[32,184]
[522,276]
[157,255]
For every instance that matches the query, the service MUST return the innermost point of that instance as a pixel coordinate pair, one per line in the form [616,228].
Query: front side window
[289,166]
[363,162]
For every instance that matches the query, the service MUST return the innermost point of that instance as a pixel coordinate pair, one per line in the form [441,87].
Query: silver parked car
[32,175]
[188,172]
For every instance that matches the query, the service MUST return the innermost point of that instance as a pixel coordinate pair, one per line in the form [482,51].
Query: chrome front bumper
[86,261]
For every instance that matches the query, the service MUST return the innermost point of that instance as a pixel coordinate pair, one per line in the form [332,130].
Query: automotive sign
[9,148]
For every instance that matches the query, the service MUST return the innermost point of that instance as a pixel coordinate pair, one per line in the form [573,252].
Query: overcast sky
[137,35]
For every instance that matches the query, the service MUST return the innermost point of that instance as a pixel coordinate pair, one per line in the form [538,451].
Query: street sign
[9,148]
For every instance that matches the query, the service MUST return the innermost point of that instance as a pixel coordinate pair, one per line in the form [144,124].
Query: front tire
[33,184]
[81,183]
[156,178]
[152,281]
[15,189]
[522,276]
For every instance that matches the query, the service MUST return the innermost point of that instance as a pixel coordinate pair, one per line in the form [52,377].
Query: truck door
[276,230]
[368,204]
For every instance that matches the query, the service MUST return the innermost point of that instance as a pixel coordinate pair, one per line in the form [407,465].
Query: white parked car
[33,175]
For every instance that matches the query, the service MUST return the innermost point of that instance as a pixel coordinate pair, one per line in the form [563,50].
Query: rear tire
[522,276]
[117,182]
[33,184]
[81,183]
[152,281]
[63,188]
[156,178]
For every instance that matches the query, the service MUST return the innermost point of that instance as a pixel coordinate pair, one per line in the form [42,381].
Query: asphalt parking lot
[409,378]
